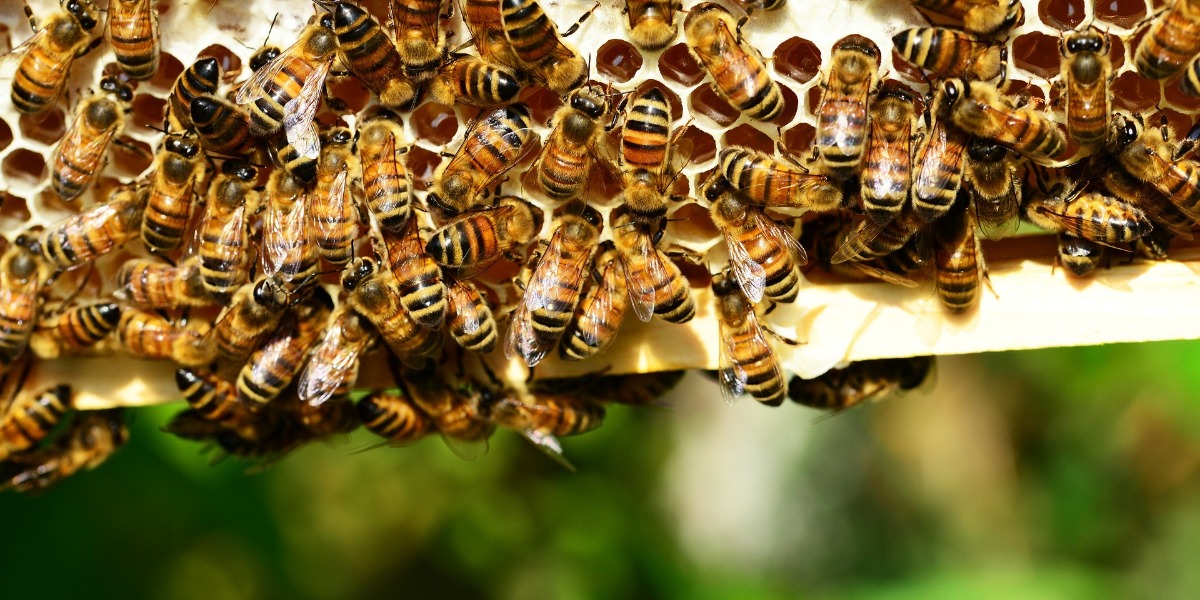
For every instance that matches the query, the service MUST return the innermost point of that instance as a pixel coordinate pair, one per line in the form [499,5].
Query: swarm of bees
[282,242]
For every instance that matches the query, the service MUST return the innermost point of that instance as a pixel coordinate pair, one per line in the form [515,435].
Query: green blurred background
[1066,473]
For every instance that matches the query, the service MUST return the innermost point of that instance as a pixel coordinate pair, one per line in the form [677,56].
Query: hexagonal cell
[678,65]
[618,60]
[435,123]
[541,101]
[691,223]
[130,162]
[1122,13]
[1023,92]
[704,101]
[14,210]
[672,98]
[1134,92]
[697,275]
[798,59]
[6,135]
[169,69]
[46,128]
[1177,121]
[422,164]
[24,165]
[798,140]
[1175,97]
[350,91]
[1037,53]
[748,136]
[148,110]
[1116,54]
[230,62]
[813,100]
[704,148]
[1062,14]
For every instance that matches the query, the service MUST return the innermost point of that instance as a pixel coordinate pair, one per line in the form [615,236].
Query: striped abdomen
[19,308]
[266,111]
[764,381]
[887,166]
[395,417]
[222,250]
[418,277]
[470,318]
[1173,39]
[471,240]
[367,51]
[480,83]
[133,36]
[938,171]
[200,79]
[563,168]
[386,181]
[212,397]
[80,155]
[645,137]
[223,127]
[599,317]
[88,235]
[167,212]
[79,328]
[1104,219]
[274,365]
[43,70]
[958,275]
[533,36]
[31,418]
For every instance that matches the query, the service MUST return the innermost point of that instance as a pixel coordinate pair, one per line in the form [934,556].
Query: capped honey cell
[798,59]
[618,60]
[678,65]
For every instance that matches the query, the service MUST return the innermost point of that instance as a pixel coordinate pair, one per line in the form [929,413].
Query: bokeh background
[1066,473]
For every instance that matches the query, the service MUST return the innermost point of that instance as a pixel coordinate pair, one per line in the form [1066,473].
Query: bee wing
[471,321]
[731,375]
[783,236]
[327,370]
[283,234]
[299,112]
[340,202]
[643,284]
[253,88]
[886,276]
[751,276]
[997,220]
[466,449]
[549,445]
[864,232]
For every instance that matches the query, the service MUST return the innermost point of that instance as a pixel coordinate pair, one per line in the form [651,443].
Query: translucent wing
[885,275]
[1000,218]
[341,206]
[255,87]
[783,236]
[751,276]
[299,112]
[522,339]
[466,449]
[465,294]
[862,234]
[731,375]
[549,274]
[608,303]
[334,366]
[549,445]
[646,283]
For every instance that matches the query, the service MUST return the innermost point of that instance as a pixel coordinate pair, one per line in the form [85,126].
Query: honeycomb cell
[704,148]
[791,104]
[672,98]
[680,188]
[13,209]
[1023,92]
[542,103]
[23,165]
[1134,92]
[619,60]
[1116,55]
[692,224]
[678,65]
[704,101]
[230,63]
[1062,14]
[350,92]
[169,69]
[422,164]
[813,101]
[798,139]
[6,135]
[1037,53]
[703,176]
[435,123]
[131,157]
[697,275]
[1122,13]
[148,110]
[750,137]
[1175,96]
[47,128]
[798,59]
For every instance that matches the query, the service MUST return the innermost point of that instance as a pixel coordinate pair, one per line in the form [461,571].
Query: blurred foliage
[1067,473]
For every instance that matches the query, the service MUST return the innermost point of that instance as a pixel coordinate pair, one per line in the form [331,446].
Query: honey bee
[178,166]
[286,92]
[978,108]
[22,277]
[133,36]
[637,389]
[474,240]
[394,416]
[254,311]
[571,149]
[748,364]
[553,289]
[88,441]
[222,127]
[28,419]
[956,256]
[272,367]
[1079,256]
[714,38]
[1189,83]
[601,311]
[1086,71]
[1150,158]
[265,435]
[652,22]
[223,229]
[332,366]
[768,181]
[869,240]
[213,398]
[1155,245]
[148,335]
[418,277]
[333,211]
[288,248]
[1173,38]
[330,418]
[1089,215]
[46,58]
[471,80]
[482,18]
[887,166]
[469,317]
[764,256]
[492,146]
[370,55]
[200,79]
[988,18]
[156,284]
[951,53]
[860,382]
[373,293]
[543,417]
[1126,187]
[386,181]
[419,39]
[842,118]
[80,156]
[991,178]
[938,169]
[650,157]
[656,285]
[536,44]
[92,233]
[454,408]
[74,330]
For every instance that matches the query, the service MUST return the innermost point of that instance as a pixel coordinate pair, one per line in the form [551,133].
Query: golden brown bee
[987,18]
[265,435]
[178,166]
[370,55]
[650,160]
[1086,72]
[1173,38]
[748,364]
[75,330]
[469,317]
[601,311]
[332,367]
[739,75]
[868,240]
[1150,158]
[862,381]
[394,416]
[482,18]
[571,149]
[418,277]
[46,58]
[1155,245]
[842,117]
[887,166]
[223,231]
[471,80]
[132,34]
[937,166]
[1089,215]
[956,255]
[991,178]
[272,367]
[636,389]
[652,22]
[543,417]
[1189,83]
[22,276]
[491,147]
[553,289]
[1126,187]
[764,256]
[217,400]
[148,335]
[88,441]
[288,247]
[978,108]
[27,419]
[537,46]
[1079,256]
[254,311]
[419,39]
[331,205]
[769,181]
[222,126]
[155,284]
[950,53]
[80,156]
[327,419]
[88,235]
[200,79]
[474,240]
[656,285]
[373,293]
[454,408]
[386,181]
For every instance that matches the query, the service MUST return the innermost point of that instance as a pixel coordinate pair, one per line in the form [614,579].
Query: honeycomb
[837,321]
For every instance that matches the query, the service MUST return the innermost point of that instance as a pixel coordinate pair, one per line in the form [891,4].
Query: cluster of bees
[235,278]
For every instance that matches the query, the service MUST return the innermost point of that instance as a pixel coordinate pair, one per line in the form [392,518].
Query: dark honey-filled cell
[1177,121]
[703,176]
[798,139]
[1134,92]
[542,103]
[422,163]
[704,101]
[813,100]
[618,60]
[672,97]
[703,148]
[435,123]
[791,104]
[130,162]
[230,63]
[24,165]
[1175,96]
[13,209]
[350,92]
[46,128]
[678,65]
[1122,13]
[750,137]
[6,135]
[1116,55]
[697,275]
[692,224]
[1037,53]
[1062,14]
[680,188]
[798,59]
[168,71]
[1023,92]
[148,111]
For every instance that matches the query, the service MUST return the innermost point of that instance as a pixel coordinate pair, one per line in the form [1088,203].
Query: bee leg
[33,21]
[92,46]
[575,26]
[1189,141]
[783,338]
[741,22]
